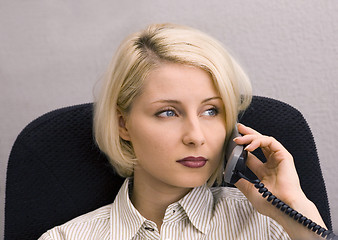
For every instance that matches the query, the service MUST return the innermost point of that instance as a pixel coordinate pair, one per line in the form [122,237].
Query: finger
[246,130]
[268,144]
[251,134]
[246,139]
[253,140]
[271,148]
[255,165]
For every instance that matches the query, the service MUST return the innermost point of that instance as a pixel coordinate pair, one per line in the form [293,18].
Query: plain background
[53,52]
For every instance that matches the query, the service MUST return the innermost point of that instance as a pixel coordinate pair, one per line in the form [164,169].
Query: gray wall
[53,52]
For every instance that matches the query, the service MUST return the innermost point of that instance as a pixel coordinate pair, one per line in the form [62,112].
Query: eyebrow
[178,102]
[212,98]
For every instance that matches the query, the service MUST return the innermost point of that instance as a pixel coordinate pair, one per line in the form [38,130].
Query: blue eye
[210,112]
[166,113]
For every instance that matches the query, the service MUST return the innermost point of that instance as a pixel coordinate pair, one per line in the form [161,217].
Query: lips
[193,162]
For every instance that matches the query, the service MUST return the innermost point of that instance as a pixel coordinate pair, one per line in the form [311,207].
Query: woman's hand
[279,175]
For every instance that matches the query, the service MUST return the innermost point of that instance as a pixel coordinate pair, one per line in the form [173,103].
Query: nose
[193,132]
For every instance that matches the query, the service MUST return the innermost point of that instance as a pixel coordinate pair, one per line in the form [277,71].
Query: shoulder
[228,194]
[83,227]
[232,203]
[100,214]
[232,207]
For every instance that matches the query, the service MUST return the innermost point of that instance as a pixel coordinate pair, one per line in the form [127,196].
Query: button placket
[149,230]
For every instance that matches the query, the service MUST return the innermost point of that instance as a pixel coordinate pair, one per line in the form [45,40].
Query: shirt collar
[198,205]
[129,220]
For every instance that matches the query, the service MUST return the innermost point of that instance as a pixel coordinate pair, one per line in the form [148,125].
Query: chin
[192,181]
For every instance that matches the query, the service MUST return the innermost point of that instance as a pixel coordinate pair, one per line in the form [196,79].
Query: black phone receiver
[235,159]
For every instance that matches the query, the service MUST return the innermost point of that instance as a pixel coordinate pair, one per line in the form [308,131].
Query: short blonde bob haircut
[137,56]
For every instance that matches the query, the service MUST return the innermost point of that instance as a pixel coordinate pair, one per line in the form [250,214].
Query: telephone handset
[235,168]
[235,156]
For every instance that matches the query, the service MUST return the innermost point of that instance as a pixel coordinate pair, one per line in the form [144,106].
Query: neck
[151,198]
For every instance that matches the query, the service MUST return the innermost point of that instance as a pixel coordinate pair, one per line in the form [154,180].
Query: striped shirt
[204,213]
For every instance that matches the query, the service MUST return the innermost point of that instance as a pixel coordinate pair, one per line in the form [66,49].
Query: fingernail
[246,148]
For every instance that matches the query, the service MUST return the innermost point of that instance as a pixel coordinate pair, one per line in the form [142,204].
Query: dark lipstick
[193,162]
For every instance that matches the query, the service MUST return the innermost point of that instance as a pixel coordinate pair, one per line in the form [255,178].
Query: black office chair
[56,172]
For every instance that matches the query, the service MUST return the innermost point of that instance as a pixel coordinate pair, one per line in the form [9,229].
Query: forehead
[176,79]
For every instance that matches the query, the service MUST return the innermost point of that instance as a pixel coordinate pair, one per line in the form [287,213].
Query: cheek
[216,139]
[216,134]
[152,142]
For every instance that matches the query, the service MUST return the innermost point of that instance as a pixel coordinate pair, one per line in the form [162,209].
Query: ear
[123,131]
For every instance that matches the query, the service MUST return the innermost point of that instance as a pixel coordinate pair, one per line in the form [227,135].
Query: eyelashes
[171,112]
[211,112]
[167,113]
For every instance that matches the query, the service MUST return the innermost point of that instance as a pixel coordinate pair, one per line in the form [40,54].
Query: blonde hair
[142,52]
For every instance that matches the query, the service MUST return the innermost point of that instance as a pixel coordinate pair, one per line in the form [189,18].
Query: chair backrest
[56,172]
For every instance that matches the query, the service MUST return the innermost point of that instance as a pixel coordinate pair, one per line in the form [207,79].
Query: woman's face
[176,127]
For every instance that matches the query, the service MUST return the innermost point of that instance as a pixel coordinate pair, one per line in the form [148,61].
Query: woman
[168,105]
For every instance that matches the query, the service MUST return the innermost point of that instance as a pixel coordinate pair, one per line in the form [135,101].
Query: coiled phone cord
[326,234]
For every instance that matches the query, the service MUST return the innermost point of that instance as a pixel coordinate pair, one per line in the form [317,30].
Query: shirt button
[149,229]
